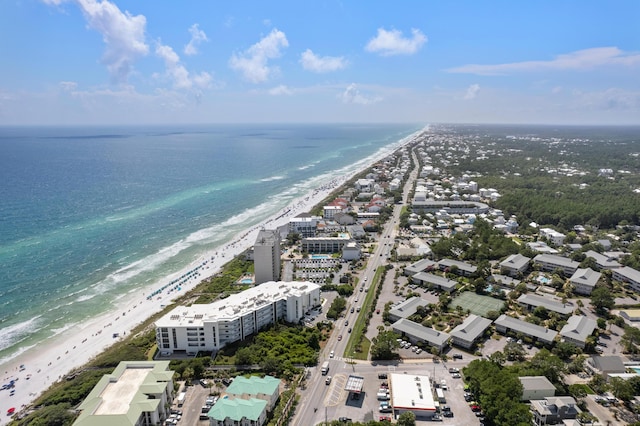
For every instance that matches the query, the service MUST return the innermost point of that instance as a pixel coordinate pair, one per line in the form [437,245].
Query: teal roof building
[251,411]
[265,388]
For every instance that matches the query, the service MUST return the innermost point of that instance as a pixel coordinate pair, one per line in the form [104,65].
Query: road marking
[336,393]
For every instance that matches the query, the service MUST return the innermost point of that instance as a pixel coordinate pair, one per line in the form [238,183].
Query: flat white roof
[411,392]
[235,305]
[117,395]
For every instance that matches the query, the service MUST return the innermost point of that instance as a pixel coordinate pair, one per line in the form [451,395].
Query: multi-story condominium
[584,280]
[266,256]
[627,275]
[506,324]
[325,244]
[209,327]
[137,393]
[577,329]
[515,264]
[304,224]
[603,261]
[557,238]
[551,262]
[472,329]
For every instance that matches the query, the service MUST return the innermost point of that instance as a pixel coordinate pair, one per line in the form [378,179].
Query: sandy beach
[39,367]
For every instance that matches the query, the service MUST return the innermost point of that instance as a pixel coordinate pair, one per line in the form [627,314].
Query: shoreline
[35,370]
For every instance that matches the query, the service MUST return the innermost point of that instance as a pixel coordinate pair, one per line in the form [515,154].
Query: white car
[331,354]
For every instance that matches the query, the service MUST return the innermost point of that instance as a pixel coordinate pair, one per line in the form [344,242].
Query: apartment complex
[209,327]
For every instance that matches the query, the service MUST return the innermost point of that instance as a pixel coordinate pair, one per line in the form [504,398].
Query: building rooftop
[411,392]
[408,307]
[532,383]
[354,383]
[121,397]
[556,260]
[554,305]
[435,337]
[602,260]
[516,261]
[526,328]
[578,327]
[254,385]
[236,409]
[435,280]
[235,305]
[585,276]
[471,328]
[460,265]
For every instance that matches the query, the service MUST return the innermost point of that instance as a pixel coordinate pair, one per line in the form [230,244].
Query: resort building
[419,266]
[506,324]
[266,256]
[551,262]
[418,333]
[412,393]
[472,328]
[532,301]
[137,393]
[329,212]
[577,329]
[536,387]
[351,251]
[451,207]
[515,264]
[584,280]
[209,327]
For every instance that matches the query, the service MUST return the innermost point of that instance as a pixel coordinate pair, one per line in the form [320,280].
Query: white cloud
[280,90]
[578,60]
[312,62]
[178,73]
[610,99]
[197,36]
[254,62]
[352,95]
[392,42]
[122,33]
[472,92]
[68,86]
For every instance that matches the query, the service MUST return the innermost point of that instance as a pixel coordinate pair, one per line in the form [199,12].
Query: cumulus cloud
[122,33]
[178,73]
[280,90]
[392,42]
[578,60]
[253,63]
[312,62]
[352,95]
[197,36]
[472,92]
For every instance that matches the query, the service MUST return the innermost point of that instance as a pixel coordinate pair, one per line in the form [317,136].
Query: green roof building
[241,412]
[137,393]
[265,388]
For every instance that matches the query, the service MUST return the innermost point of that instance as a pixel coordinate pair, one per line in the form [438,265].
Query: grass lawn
[476,303]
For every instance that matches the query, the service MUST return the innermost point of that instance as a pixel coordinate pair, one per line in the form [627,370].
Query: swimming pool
[320,256]
[246,281]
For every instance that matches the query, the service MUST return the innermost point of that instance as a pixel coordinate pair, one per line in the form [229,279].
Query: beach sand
[38,368]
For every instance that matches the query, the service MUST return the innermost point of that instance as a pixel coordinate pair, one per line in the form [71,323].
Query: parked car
[328,380]
[457,356]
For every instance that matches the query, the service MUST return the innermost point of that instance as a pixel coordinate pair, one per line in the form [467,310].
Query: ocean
[91,214]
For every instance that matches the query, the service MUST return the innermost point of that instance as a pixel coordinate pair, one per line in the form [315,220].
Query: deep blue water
[88,214]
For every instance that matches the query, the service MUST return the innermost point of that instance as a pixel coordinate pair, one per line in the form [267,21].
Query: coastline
[41,366]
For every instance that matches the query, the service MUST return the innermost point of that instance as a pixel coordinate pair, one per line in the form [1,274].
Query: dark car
[382,376]
[457,356]
[344,419]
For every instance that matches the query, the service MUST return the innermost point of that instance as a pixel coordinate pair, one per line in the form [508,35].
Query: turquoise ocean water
[89,214]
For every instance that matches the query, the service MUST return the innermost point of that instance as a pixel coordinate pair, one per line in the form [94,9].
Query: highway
[319,401]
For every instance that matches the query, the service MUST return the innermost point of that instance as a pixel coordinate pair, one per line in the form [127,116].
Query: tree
[630,339]
[514,351]
[621,389]
[577,391]
[564,350]
[384,345]
[601,299]
[244,356]
[498,358]
[407,419]
[549,365]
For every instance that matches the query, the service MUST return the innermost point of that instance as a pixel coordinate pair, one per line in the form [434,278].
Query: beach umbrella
[11,410]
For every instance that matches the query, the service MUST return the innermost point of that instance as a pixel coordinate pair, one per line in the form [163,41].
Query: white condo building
[210,327]
[266,256]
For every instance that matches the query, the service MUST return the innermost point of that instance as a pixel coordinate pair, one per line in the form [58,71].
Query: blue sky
[146,62]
